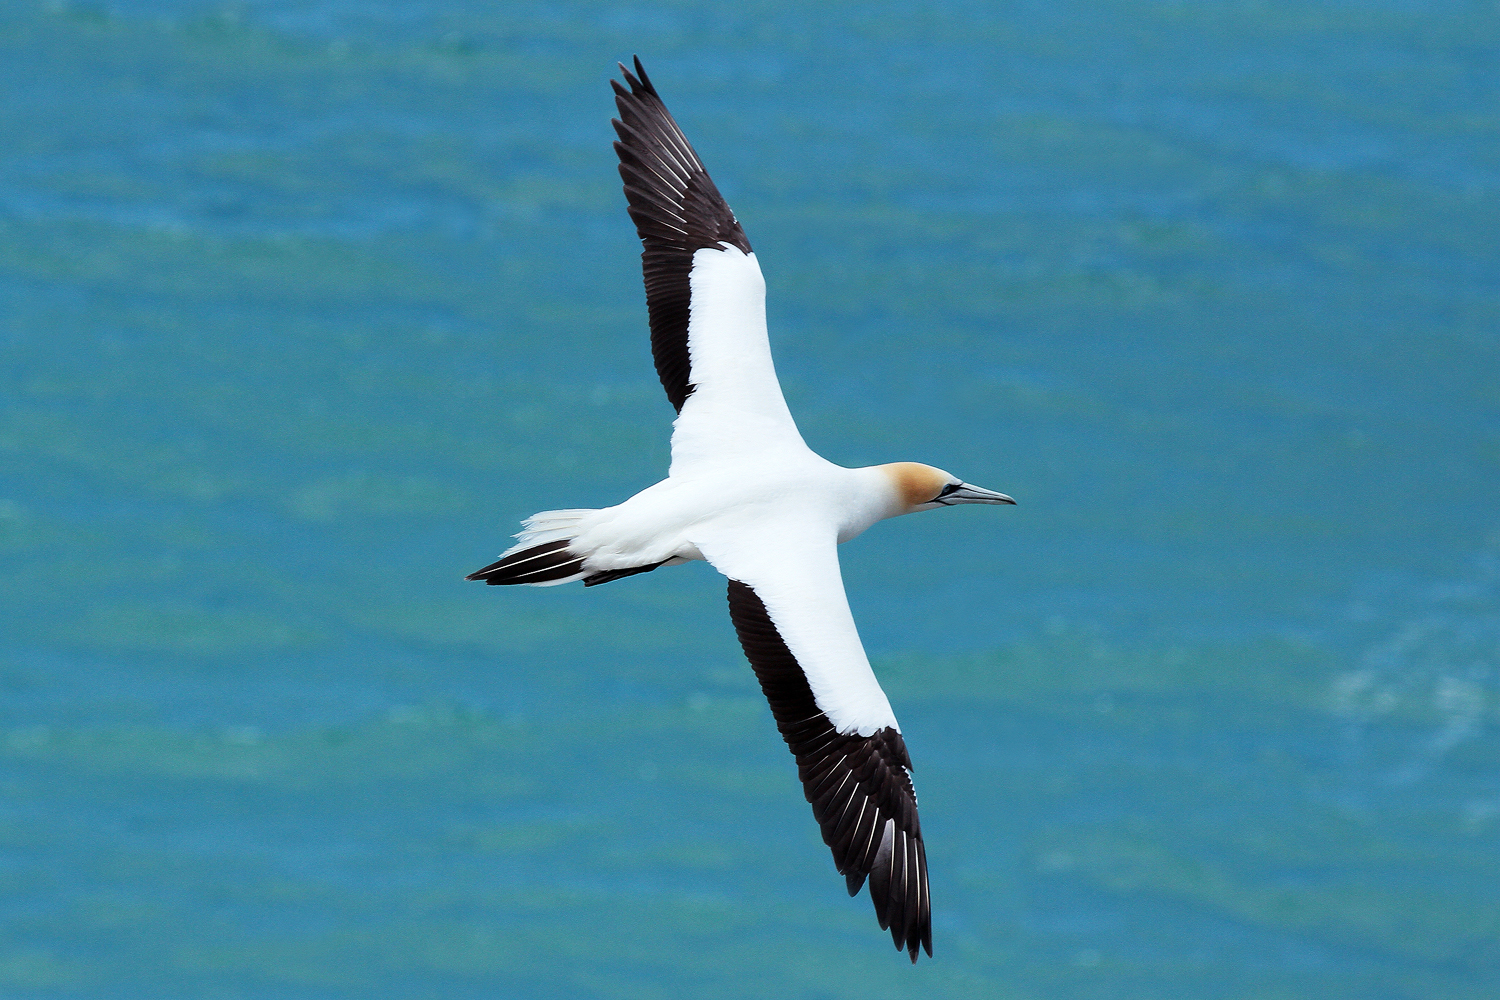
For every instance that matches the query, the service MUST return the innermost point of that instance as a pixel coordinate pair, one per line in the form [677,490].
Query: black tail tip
[487,573]
[544,563]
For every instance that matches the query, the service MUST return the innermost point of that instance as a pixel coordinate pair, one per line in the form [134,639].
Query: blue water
[306,304]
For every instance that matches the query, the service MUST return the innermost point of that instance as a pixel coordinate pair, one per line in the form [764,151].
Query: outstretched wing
[793,621]
[704,291]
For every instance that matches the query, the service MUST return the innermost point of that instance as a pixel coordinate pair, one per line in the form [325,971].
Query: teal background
[303,305]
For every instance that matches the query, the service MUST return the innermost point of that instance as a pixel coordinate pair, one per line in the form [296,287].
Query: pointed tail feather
[547,564]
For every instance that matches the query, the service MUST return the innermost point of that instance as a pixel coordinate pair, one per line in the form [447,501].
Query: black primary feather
[859,786]
[677,211]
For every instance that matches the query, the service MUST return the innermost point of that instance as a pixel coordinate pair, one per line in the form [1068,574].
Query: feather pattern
[677,211]
[547,564]
[859,786]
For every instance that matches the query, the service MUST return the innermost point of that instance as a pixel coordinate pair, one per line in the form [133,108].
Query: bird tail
[541,556]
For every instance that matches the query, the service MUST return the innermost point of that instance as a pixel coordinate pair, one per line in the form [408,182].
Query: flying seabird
[745,493]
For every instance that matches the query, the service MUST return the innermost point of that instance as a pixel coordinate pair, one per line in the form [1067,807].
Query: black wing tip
[911,933]
[919,939]
[639,82]
[865,851]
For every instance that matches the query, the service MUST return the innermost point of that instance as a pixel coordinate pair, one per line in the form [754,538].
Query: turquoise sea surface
[305,303]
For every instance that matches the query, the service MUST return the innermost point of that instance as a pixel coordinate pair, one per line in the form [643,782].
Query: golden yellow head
[921,487]
[917,484]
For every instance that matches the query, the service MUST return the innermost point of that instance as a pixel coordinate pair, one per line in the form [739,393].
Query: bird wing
[704,291]
[786,598]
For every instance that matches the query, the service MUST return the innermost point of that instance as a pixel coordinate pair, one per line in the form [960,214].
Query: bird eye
[947,489]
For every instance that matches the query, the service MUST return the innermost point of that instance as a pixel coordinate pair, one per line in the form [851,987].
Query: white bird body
[745,493]
[724,509]
[772,522]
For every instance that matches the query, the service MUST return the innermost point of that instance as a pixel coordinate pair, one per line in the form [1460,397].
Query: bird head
[921,487]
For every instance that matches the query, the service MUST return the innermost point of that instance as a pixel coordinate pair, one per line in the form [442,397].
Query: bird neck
[873,497]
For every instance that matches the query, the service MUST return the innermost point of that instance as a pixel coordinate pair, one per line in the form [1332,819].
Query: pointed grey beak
[964,493]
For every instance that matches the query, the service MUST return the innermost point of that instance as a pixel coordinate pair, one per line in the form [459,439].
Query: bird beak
[974,494]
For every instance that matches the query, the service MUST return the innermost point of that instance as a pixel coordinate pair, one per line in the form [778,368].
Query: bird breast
[663,521]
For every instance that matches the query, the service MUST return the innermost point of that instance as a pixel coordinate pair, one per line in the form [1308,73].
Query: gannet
[745,493]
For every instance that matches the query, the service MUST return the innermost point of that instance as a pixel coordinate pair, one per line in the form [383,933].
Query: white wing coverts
[786,598]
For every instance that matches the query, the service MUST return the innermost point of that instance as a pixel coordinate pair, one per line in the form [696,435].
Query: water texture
[303,305]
